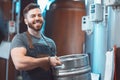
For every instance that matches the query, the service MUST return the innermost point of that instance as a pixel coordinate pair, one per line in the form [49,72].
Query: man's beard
[31,26]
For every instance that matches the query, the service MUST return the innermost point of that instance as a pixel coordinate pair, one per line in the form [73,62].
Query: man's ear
[25,20]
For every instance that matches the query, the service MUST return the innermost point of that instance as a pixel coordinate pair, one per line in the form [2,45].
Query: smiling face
[34,19]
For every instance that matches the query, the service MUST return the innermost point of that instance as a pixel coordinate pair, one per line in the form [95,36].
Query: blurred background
[77,27]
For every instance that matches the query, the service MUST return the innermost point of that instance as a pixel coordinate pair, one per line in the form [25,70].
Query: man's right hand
[54,61]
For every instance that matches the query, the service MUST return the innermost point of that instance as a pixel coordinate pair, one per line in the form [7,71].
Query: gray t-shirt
[41,46]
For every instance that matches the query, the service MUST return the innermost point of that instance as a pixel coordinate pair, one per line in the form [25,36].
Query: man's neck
[34,33]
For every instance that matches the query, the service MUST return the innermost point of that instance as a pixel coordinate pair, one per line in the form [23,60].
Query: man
[33,53]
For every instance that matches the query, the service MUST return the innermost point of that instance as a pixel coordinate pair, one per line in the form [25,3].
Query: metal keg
[73,67]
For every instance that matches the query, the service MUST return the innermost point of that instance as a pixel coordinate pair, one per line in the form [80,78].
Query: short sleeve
[18,41]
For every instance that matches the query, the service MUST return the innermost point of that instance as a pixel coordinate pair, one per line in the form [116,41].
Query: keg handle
[60,66]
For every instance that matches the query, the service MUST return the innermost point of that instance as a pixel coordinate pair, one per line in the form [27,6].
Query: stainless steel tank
[74,67]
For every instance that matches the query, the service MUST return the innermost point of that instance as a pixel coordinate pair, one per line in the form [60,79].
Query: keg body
[74,67]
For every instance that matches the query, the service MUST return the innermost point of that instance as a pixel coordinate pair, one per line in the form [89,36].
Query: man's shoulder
[20,36]
[47,38]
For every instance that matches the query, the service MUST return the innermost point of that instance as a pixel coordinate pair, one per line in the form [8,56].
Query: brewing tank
[63,25]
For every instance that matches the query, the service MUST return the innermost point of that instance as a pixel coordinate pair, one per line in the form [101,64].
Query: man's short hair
[29,7]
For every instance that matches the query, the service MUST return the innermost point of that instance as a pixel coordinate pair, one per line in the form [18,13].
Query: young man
[32,52]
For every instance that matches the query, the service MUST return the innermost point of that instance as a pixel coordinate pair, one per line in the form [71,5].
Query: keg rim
[72,57]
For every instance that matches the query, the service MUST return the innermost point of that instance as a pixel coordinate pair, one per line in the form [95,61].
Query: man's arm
[23,62]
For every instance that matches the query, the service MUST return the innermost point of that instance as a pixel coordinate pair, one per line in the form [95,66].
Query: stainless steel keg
[74,67]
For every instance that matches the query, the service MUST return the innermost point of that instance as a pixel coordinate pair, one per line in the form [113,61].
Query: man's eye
[32,16]
[39,15]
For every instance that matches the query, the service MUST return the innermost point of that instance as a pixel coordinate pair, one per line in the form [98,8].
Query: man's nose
[37,17]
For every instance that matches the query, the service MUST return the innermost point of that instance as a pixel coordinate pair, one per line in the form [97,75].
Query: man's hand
[54,61]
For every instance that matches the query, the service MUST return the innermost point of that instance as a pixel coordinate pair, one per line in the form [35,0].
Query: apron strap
[29,40]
